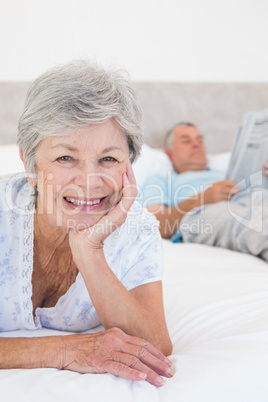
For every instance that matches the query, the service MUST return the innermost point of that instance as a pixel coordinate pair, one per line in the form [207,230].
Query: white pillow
[151,161]
[10,161]
[219,161]
[154,161]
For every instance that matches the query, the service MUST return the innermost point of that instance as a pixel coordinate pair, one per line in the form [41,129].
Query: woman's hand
[93,237]
[118,214]
[113,351]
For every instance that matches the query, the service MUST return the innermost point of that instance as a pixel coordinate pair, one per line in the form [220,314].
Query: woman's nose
[89,176]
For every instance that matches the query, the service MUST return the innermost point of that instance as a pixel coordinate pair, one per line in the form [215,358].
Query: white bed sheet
[216,305]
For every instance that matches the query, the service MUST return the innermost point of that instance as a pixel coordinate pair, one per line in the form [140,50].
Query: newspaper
[250,152]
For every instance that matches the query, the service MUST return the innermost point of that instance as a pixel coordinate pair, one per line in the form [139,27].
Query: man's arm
[170,217]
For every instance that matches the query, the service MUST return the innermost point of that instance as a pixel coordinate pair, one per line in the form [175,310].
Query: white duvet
[216,305]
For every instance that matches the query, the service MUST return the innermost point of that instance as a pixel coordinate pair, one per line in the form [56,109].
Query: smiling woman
[76,254]
[81,175]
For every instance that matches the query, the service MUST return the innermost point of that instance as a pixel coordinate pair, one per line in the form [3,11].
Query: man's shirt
[174,188]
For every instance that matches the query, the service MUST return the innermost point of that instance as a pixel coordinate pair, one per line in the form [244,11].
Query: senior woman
[76,250]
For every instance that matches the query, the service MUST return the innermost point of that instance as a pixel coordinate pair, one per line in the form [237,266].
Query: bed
[216,300]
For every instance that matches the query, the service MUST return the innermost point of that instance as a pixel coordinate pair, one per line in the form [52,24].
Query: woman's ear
[31,181]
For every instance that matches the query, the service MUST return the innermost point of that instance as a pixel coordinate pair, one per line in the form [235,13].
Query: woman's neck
[53,269]
[49,235]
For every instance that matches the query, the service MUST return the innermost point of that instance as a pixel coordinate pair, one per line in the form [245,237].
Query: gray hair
[169,139]
[75,95]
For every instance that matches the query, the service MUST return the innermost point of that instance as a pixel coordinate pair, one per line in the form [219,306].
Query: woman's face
[80,176]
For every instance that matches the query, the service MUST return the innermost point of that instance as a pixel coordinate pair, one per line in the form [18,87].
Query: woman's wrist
[48,349]
[54,353]
[89,258]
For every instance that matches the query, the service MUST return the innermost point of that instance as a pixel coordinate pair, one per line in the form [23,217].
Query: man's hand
[220,191]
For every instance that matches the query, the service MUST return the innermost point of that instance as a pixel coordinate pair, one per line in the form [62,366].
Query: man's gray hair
[75,95]
[169,139]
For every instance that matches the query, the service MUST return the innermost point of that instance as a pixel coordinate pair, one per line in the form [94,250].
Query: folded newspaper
[250,152]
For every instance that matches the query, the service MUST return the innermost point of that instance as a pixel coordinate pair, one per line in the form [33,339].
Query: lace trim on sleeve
[28,237]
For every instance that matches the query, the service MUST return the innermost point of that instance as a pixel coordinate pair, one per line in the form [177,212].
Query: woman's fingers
[118,214]
[137,354]
[148,354]
[131,367]
[130,174]
[122,370]
[152,362]
[148,346]
[129,190]
[113,351]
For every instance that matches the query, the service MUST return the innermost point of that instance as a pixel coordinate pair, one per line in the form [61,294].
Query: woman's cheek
[51,181]
[115,177]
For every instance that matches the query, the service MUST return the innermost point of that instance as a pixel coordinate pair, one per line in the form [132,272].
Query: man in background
[191,184]
[195,204]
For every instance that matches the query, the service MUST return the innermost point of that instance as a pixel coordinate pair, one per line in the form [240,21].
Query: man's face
[188,151]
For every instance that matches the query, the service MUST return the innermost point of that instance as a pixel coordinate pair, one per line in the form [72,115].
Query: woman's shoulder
[13,182]
[16,193]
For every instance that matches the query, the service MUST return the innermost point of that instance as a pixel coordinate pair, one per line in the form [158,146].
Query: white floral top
[133,252]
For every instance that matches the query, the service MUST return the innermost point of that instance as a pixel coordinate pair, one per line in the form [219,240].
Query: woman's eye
[65,159]
[109,159]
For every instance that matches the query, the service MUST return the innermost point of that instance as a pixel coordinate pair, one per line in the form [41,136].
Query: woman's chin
[81,224]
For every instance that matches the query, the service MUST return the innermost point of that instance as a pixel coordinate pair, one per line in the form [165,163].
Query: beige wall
[216,108]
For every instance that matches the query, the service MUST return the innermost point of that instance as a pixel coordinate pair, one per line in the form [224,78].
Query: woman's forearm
[38,352]
[115,305]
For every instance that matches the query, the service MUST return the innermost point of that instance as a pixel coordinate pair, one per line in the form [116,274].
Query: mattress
[216,304]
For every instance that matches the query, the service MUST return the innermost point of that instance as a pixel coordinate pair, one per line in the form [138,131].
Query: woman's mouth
[84,204]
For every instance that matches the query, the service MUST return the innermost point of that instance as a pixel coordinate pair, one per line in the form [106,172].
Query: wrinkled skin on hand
[113,351]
